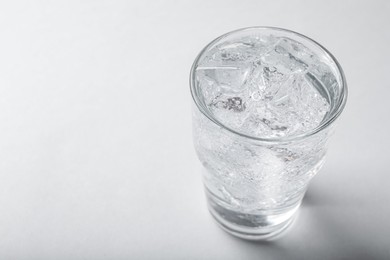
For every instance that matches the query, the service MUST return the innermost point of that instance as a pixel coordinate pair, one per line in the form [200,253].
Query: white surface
[96,156]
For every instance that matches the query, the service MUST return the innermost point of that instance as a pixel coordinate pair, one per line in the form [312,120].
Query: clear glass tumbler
[255,179]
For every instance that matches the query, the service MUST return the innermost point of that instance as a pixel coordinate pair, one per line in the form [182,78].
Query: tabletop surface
[96,154]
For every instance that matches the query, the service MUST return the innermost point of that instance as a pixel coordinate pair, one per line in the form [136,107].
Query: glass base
[266,225]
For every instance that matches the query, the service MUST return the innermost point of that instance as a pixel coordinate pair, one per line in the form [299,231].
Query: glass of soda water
[265,100]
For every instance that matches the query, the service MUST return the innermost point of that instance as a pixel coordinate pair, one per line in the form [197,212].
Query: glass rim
[339,107]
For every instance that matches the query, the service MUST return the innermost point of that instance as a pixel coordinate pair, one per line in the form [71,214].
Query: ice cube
[284,58]
[229,109]
[229,78]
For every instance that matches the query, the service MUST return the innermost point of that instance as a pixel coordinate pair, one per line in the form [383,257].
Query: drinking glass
[254,184]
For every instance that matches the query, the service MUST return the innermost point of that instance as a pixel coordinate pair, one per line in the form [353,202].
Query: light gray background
[96,157]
